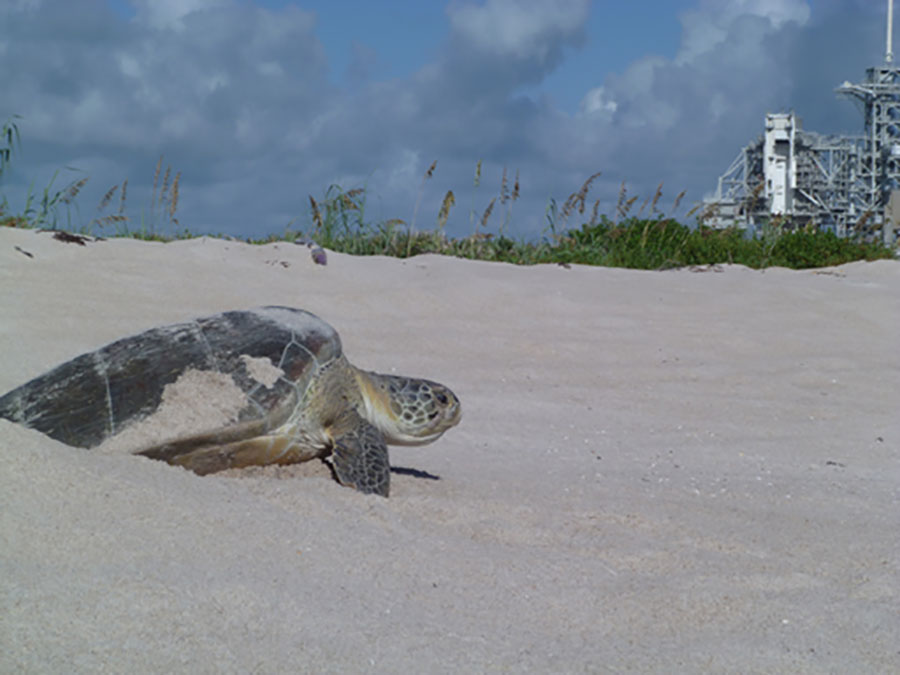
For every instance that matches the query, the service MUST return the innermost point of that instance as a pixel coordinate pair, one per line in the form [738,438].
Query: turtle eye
[442,398]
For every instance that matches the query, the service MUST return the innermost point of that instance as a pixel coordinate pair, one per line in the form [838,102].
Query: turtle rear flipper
[360,457]
[259,451]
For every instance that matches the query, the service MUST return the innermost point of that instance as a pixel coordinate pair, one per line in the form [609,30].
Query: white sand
[656,471]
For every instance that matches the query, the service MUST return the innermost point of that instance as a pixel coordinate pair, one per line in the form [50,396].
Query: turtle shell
[270,354]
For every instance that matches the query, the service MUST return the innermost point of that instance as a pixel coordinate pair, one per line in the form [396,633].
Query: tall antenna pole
[889,54]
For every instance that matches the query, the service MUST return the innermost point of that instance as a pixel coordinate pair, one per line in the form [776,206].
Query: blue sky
[261,104]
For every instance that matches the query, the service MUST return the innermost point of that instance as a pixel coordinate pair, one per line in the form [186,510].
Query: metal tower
[850,184]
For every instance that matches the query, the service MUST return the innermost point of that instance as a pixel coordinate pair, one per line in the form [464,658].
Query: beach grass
[647,239]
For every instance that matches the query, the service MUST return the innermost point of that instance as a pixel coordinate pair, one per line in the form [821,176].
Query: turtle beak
[445,412]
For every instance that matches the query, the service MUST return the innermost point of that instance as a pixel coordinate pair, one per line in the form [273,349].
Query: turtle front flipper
[360,457]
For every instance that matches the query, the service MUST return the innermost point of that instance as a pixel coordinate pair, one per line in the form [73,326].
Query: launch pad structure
[847,184]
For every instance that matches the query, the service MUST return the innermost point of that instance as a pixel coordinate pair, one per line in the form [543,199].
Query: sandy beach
[679,471]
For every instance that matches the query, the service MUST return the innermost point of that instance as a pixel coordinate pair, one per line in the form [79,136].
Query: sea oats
[582,193]
[487,212]
[643,206]
[656,197]
[317,216]
[107,198]
[73,190]
[156,175]
[165,185]
[108,220]
[752,198]
[122,196]
[173,198]
[861,223]
[444,213]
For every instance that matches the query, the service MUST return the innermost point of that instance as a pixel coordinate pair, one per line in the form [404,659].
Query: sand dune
[655,472]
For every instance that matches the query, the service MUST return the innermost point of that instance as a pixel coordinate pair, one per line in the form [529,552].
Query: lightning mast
[889,52]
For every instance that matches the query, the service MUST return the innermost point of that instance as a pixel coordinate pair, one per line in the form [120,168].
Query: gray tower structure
[850,184]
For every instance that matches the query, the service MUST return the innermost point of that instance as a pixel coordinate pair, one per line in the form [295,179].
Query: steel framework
[848,184]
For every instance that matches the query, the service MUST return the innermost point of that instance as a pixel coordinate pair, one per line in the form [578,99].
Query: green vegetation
[337,221]
[38,212]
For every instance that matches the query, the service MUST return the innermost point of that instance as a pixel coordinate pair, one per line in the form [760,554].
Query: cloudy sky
[261,103]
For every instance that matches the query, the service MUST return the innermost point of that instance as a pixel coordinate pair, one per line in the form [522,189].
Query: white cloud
[169,14]
[518,28]
[778,12]
[597,101]
[710,25]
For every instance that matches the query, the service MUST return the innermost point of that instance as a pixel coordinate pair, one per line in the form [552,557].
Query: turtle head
[407,410]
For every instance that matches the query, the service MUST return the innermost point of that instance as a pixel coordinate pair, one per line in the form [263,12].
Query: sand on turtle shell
[199,401]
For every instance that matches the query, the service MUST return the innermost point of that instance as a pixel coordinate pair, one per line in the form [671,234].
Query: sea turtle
[285,391]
